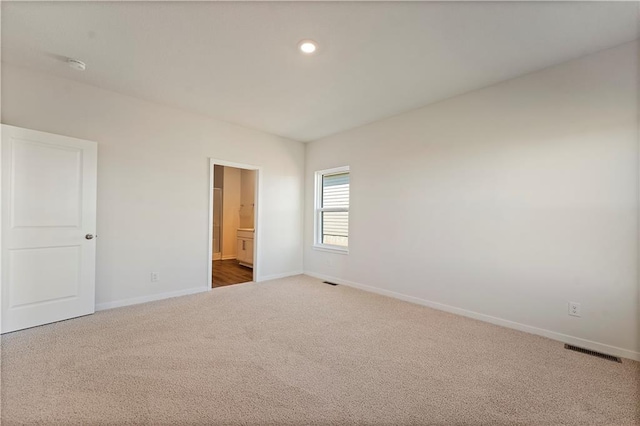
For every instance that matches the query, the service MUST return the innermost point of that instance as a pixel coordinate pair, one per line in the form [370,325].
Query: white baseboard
[276,276]
[149,298]
[160,296]
[228,257]
[577,341]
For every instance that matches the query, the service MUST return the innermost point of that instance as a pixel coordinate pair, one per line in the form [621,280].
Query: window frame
[318,210]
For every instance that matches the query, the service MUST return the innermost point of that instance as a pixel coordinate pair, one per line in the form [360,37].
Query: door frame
[256,217]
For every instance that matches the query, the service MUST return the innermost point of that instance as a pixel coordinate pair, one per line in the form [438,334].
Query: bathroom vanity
[245,246]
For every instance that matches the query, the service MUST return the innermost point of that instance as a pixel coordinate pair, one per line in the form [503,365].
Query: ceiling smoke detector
[76,64]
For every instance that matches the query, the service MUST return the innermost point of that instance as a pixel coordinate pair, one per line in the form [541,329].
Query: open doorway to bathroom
[234,196]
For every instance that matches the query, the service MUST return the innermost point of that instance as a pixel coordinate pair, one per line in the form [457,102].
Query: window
[332,209]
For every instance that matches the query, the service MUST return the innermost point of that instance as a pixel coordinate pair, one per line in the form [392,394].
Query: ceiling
[238,61]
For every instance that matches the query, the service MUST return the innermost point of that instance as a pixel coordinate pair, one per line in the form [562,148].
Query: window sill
[331,249]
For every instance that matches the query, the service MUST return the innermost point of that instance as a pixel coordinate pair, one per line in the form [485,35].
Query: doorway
[233,217]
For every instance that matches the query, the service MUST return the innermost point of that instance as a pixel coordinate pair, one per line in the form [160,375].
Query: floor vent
[592,353]
[330,283]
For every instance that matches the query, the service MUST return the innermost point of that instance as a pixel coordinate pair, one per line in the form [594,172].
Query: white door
[48,228]
[248,254]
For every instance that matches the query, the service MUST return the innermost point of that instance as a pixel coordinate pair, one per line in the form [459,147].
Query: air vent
[593,353]
[327,282]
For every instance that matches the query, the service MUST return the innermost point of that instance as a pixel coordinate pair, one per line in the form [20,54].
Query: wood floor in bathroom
[228,272]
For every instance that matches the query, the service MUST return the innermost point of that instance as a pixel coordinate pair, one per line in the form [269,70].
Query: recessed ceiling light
[76,64]
[308,46]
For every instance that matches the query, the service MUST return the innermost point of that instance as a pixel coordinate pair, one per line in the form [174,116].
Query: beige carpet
[296,351]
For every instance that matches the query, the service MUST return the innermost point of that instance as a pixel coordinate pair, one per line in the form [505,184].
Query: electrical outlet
[574,309]
[155,277]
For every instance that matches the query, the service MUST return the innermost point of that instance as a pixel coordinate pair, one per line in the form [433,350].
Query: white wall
[503,203]
[231,211]
[247,198]
[153,183]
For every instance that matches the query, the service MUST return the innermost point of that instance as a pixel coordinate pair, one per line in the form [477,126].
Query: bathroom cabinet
[245,247]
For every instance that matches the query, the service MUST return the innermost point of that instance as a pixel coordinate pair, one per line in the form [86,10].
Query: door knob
[89,236]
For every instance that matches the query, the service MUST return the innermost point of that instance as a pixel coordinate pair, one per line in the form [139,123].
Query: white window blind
[332,208]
